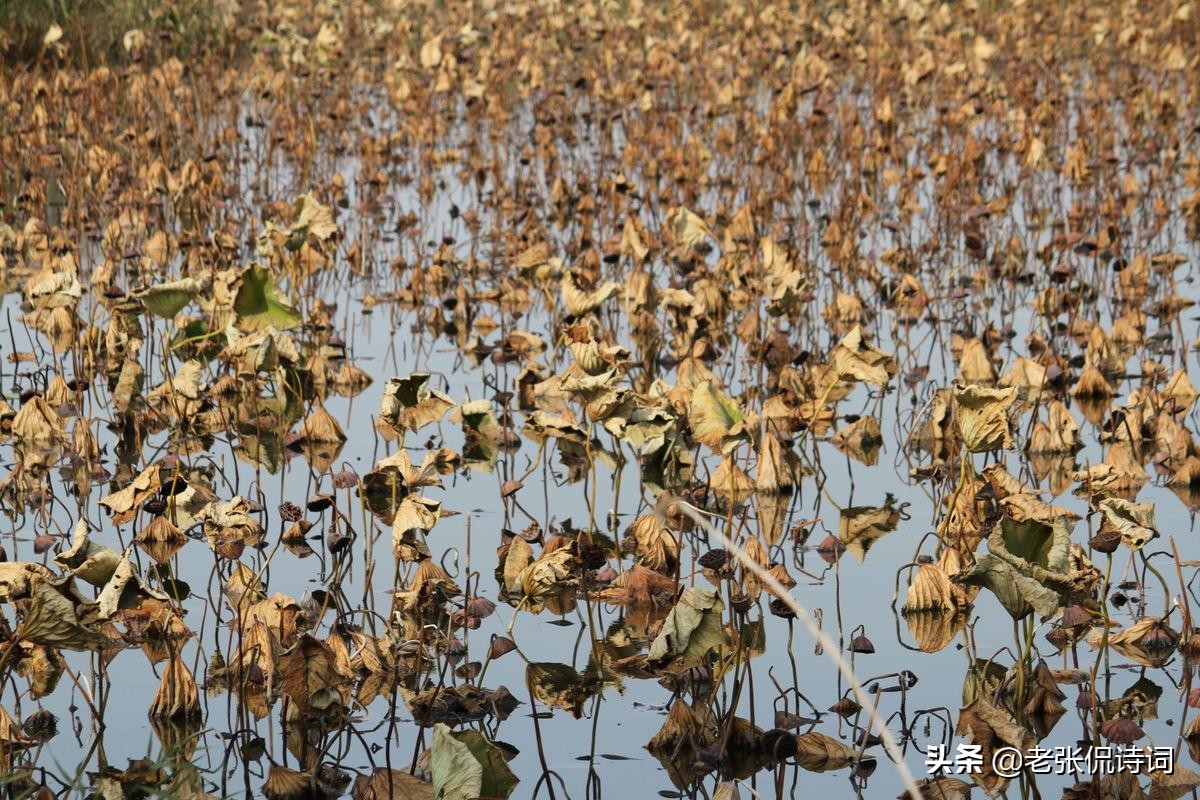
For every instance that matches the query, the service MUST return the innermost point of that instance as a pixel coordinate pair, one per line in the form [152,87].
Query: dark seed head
[714,559]
[861,644]
[290,512]
[781,609]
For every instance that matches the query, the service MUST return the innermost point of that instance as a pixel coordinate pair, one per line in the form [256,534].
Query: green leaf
[1038,543]
[691,629]
[168,299]
[466,766]
[257,303]
[714,417]
[456,773]
[1020,594]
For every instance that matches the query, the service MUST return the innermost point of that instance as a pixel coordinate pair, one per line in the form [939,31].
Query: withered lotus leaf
[87,560]
[177,697]
[308,675]
[855,359]
[819,752]
[391,784]
[466,765]
[692,628]
[56,616]
[123,504]
[982,416]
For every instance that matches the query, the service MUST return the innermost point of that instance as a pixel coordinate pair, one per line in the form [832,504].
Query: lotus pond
[532,399]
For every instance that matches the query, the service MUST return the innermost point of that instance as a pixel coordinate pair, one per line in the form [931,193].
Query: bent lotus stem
[827,645]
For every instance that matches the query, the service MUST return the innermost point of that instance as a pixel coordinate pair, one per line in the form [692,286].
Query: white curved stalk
[828,646]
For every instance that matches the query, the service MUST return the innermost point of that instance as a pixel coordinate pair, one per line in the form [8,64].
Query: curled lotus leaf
[1030,567]
[87,560]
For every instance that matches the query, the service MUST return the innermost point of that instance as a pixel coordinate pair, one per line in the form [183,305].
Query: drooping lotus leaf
[983,417]
[257,302]
[692,628]
[466,766]
[409,405]
[1134,521]
[58,616]
[168,299]
[87,560]
[1028,567]
[855,359]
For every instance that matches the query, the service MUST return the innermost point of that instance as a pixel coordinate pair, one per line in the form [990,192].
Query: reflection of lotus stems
[830,649]
[965,471]
[537,732]
[816,418]
[1166,589]
[1103,651]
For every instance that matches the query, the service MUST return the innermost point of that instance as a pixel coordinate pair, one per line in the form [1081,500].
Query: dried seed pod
[320,502]
[780,609]
[290,512]
[1121,731]
[861,644]
[846,707]
[500,646]
[741,603]
[480,607]
[1106,540]
[714,559]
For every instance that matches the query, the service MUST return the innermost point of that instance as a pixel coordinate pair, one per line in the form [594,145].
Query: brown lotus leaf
[243,588]
[855,359]
[932,590]
[982,416]
[581,297]
[320,427]
[1093,385]
[308,675]
[992,728]
[125,589]
[777,467]
[518,556]
[37,424]
[685,726]
[391,784]
[285,783]
[123,505]
[160,539]
[975,364]
[177,697]
[550,574]
[860,440]
[1149,641]
[817,752]
[282,616]
[230,522]
[409,405]
[1134,521]
[653,543]
[729,481]
[757,553]
[941,788]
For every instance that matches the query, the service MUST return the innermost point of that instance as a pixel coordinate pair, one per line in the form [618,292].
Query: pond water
[442,247]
